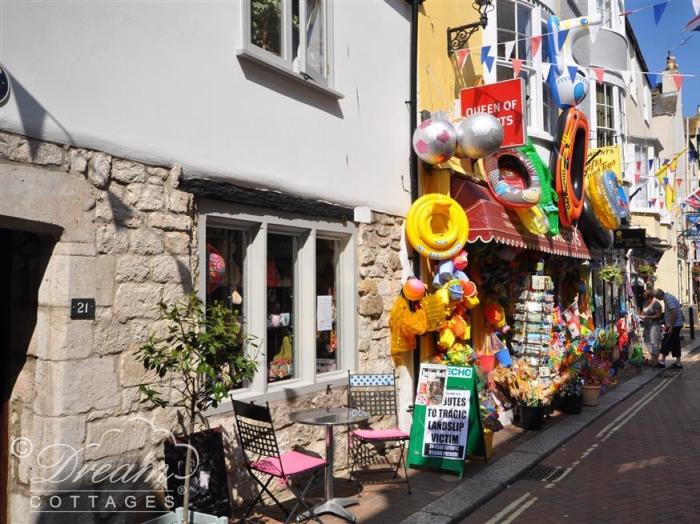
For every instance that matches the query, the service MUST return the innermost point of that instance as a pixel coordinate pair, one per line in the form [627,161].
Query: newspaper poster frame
[445,383]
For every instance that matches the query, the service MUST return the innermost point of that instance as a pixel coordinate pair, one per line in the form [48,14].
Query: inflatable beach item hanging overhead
[434,140]
[567,89]
[608,198]
[437,227]
[478,136]
[534,219]
[548,198]
[594,233]
[512,179]
[568,164]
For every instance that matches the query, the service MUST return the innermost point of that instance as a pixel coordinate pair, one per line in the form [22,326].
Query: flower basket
[591,395]
[573,404]
[531,417]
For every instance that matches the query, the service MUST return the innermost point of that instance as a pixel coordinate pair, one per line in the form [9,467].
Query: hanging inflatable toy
[548,198]
[616,195]
[595,235]
[434,140]
[478,136]
[413,289]
[568,90]
[569,163]
[601,204]
[512,179]
[436,226]
[534,219]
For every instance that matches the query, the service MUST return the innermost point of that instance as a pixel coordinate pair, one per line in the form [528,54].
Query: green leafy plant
[646,270]
[612,274]
[200,359]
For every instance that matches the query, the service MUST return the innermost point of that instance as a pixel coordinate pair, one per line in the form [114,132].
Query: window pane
[506,15]
[551,111]
[266,25]
[524,31]
[281,314]
[315,44]
[327,252]
[225,253]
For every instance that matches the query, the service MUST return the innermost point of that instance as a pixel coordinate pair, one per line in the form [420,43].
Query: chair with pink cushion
[376,394]
[256,437]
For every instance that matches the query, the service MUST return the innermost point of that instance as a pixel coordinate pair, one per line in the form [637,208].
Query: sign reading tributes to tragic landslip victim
[505,101]
[446,422]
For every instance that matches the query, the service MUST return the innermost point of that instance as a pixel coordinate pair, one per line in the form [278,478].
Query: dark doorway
[23,259]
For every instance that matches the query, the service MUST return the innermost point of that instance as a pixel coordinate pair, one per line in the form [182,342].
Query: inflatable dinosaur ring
[534,219]
[548,200]
[569,164]
[512,179]
[437,226]
[594,233]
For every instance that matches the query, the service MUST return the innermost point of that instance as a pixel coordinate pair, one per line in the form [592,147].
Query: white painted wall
[160,82]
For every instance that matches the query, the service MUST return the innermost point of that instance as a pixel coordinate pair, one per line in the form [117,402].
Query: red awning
[490,221]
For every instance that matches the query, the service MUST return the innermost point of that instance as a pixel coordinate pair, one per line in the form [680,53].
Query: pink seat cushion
[293,463]
[381,434]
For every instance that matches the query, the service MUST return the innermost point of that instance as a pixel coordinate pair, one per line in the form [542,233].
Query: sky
[657,40]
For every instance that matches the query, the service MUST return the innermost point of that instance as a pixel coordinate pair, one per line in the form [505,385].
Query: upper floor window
[605,115]
[291,33]
[514,24]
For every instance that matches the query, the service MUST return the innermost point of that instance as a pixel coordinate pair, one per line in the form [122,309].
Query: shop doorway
[24,256]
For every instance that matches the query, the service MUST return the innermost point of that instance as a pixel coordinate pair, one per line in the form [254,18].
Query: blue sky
[656,41]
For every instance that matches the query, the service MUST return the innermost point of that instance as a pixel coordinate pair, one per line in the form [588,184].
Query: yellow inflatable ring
[534,219]
[436,226]
[600,202]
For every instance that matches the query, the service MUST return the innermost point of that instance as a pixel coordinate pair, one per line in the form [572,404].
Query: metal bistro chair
[376,394]
[256,436]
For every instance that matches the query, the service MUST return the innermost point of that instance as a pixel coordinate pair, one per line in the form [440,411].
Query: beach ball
[216,268]
[413,289]
[434,140]
[478,136]
[456,290]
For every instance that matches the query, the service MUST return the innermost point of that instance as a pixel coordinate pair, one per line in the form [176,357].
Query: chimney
[667,84]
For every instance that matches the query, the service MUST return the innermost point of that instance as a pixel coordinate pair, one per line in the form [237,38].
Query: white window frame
[615,127]
[258,223]
[646,102]
[285,62]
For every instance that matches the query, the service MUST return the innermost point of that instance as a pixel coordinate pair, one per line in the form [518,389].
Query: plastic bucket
[573,404]
[503,357]
[487,362]
[532,418]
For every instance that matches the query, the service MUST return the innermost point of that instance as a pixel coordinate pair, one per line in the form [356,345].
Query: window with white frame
[294,34]
[292,282]
[605,115]
[647,102]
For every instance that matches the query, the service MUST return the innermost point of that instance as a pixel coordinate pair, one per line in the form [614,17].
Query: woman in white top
[652,315]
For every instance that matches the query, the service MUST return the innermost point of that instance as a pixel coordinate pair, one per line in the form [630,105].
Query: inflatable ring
[616,195]
[600,203]
[436,226]
[534,219]
[548,200]
[569,164]
[594,233]
[506,193]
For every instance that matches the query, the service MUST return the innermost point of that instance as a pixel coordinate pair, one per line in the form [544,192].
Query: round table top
[329,416]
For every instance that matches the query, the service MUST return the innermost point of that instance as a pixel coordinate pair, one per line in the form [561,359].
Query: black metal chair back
[373,393]
[256,433]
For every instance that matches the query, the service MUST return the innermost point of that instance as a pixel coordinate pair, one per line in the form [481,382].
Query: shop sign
[629,238]
[602,159]
[504,100]
[446,421]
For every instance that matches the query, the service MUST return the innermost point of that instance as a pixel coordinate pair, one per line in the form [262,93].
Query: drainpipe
[413,110]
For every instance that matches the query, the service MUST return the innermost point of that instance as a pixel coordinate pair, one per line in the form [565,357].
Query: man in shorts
[673,320]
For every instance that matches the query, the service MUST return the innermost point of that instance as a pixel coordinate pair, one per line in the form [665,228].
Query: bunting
[546,68]
[678,81]
[517,66]
[599,73]
[572,72]
[462,55]
[487,59]
[535,42]
[693,25]
[509,49]
[696,6]
[651,164]
[659,11]
[693,200]
[679,181]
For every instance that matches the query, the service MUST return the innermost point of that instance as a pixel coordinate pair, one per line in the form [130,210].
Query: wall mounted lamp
[457,37]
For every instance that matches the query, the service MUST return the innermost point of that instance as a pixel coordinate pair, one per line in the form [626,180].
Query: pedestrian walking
[651,317]
[673,322]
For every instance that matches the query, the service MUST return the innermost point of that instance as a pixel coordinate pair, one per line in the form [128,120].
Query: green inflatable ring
[549,197]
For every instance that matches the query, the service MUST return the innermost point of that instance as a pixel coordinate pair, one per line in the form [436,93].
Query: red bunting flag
[679,181]
[637,178]
[599,73]
[535,42]
[678,81]
[653,201]
[462,55]
[517,66]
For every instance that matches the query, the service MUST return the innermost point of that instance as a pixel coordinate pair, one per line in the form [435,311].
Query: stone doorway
[24,257]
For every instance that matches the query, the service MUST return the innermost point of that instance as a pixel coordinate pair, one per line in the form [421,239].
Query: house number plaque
[82,308]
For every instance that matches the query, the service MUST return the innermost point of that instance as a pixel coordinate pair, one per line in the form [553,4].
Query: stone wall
[128,240]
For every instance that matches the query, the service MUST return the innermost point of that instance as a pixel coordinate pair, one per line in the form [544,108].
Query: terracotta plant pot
[591,395]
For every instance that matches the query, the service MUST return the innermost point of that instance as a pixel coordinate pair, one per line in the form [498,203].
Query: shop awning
[490,221]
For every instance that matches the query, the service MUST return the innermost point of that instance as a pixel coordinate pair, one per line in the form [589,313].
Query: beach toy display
[534,219]
[512,179]
[608,201]
[548,198]
[616,195]
[434,140]
[595,235]
[478,136]
[413,289]
[568,89]
[568,164]
[437,227]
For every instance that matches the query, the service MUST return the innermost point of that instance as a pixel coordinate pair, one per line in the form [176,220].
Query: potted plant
[646,271]
[572,394]
[522,383]
[488,410]
[612,274]
[199,360]
[596,375]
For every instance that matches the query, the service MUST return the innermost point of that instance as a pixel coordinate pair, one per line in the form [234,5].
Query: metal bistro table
[330,417]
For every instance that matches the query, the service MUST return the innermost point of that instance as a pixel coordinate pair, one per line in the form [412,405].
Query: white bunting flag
[696,6]
[509,48]
[626,77]
[546,66]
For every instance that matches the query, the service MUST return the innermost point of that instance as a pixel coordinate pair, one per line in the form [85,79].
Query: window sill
[283,391]
[539,134]
[261,60]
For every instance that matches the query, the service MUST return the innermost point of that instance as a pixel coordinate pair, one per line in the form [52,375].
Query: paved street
[638,463]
